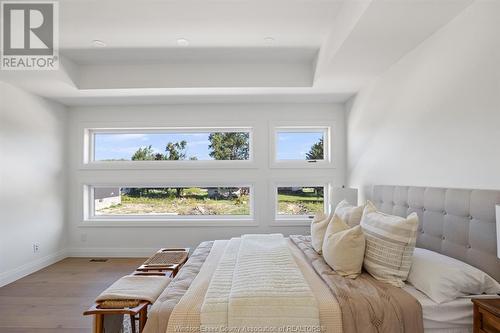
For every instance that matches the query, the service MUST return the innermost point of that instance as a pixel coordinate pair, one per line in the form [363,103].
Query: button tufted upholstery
[457,223]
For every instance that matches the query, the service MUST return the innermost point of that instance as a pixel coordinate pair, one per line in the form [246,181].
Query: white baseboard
[111,252]
[30,267]
[36,265]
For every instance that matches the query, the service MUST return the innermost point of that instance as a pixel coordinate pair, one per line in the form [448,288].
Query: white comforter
[258,285]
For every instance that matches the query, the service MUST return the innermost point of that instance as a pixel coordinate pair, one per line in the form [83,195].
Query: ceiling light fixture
[182,42]
[98,43]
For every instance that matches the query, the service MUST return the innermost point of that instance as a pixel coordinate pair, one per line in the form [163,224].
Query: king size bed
[267,283]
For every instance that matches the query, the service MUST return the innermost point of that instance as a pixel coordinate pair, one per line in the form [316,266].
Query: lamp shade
[498,229]
[342,193]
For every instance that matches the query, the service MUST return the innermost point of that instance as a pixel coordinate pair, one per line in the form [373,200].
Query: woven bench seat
[130,295]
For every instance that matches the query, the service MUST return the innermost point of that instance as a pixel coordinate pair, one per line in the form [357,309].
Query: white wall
[32,182]
[434,118]
[129,241]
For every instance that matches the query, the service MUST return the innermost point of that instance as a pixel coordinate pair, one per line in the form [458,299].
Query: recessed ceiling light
[98,43]
[182,42]
[269,39]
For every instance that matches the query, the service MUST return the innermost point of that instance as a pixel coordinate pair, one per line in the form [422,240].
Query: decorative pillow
[390,241]
[348,213]
[318,229]
[444,279]
[344,248]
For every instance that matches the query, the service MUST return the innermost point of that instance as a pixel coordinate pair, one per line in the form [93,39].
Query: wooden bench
[165,262]
[166,259]
[139,312]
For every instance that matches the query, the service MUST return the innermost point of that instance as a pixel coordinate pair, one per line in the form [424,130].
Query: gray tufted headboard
[457,223]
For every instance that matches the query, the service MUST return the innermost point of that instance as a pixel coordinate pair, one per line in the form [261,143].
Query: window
[174,202]
[298,146]
[168,145]
[300,202]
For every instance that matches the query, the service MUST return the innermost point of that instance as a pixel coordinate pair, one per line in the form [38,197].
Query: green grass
[191,203]
[305,202]
[298,198]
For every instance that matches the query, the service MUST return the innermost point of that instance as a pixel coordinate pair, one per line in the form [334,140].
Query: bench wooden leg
[98,323]
[132,323]
[143,316]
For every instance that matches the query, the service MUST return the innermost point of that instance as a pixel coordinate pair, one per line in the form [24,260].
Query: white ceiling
[205,23]
[323,51]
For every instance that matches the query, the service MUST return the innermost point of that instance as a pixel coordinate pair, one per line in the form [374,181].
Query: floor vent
[98,260]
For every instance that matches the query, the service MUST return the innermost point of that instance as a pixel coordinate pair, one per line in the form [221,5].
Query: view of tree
[229,146]
[176,151]
[173,151]
[144,154]
[316,151]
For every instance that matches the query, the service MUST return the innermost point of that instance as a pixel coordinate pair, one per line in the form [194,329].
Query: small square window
[301,146]
[300,202]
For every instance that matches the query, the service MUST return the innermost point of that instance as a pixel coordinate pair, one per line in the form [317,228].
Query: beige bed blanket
[186,315]
[259,286]
[367,305]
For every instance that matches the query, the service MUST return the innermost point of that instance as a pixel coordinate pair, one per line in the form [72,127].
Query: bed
[457,223]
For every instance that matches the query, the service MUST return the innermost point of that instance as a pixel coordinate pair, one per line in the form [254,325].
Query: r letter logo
[29,35]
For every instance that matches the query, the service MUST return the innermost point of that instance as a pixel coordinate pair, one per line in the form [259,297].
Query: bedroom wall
[119,240]
[32,182]
[433,119]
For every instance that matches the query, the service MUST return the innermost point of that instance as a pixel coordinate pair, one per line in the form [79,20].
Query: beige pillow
[390,241]
[344,248]
[349,213]
[318,229]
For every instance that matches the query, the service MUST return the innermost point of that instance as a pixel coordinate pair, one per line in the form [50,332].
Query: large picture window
[170,145]
[179,202]
[181,174]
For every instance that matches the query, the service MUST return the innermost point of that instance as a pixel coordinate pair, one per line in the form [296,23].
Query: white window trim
[91,220]
[299,126]
[297,220]
[88,163]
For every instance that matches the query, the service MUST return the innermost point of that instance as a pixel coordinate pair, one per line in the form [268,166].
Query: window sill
[180,165]
[140,223]
[302,165]
[291,222]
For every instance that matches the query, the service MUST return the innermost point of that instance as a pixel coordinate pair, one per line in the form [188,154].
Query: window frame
[301,220]
[88,161]
[327,127]
[91,219]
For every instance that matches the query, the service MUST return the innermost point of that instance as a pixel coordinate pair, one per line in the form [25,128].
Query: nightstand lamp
[342,193]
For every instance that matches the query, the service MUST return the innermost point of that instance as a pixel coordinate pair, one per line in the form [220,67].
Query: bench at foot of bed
[137,310]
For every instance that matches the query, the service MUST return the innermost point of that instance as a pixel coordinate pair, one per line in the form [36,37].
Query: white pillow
[348,213]
[318,229]
[444,279]
[390,241]
[344,248]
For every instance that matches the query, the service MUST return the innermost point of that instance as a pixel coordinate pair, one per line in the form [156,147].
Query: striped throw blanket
[258,285]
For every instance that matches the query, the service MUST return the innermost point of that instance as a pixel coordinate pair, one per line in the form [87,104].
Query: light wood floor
[53,299]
